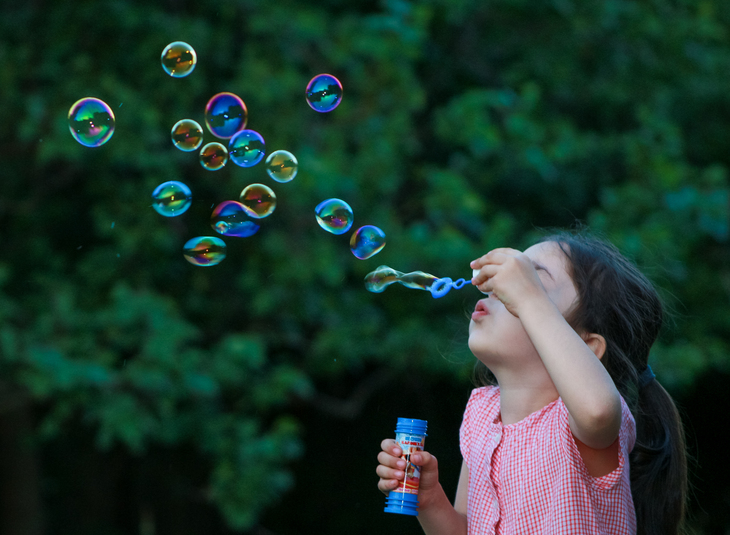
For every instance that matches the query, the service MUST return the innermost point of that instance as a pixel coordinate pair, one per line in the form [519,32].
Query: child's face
[497,337]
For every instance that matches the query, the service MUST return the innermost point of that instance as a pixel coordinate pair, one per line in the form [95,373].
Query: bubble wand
[384,276]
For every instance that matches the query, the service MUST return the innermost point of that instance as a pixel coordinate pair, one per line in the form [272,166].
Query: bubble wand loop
[384,276]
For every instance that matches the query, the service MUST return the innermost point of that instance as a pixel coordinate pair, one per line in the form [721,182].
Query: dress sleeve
[626,437]
[473,415]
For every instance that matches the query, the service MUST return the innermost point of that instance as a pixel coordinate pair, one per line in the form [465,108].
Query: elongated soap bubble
[187,135]
[334,216]
[324,93]
[282,166]
[230,219]
[213,156]
[367,241]
[246,148]
[204,251]
[91,122]
[258,200]
[178,59]
[376,281]
[225,114]
[171,198]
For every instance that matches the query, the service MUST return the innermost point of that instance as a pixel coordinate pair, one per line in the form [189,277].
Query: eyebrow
[539,267]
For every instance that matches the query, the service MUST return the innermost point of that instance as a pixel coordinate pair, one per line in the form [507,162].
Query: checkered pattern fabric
[528,477]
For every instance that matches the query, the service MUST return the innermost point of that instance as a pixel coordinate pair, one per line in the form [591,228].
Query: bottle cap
[411,426]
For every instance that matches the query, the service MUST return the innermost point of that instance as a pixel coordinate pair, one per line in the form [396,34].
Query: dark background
[142,395]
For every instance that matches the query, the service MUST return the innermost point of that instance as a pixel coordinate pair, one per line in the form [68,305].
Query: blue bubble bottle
[410,434]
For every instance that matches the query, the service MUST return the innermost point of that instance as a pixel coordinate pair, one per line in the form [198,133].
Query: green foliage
[464,126]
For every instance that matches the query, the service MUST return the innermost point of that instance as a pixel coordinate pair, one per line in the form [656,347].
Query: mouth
[480,310]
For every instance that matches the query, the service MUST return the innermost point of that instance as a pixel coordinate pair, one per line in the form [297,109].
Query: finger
[489,258]
[391,446]
[390,461]
[424,459]
[388,473]
[484,274]
[387,485]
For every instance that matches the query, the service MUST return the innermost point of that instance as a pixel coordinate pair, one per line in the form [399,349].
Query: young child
[578,437]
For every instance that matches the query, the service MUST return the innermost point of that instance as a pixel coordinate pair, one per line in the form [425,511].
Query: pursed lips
[480,310]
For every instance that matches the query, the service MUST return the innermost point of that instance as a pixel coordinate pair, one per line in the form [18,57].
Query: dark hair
[618,302]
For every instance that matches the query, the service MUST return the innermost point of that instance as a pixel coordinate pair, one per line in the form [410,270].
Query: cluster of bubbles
[91,122]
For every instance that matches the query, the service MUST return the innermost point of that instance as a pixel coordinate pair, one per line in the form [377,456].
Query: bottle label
[410,444]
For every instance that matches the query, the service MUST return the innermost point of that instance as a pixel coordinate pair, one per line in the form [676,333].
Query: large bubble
[171,198]
[334,215]
[91,121]
[258,200]
[324,93]
[246,148]
[225,114]
[187,135]
[282,165]
[178,59]
[367,241]
[213,156]
[204,251]
[230,219]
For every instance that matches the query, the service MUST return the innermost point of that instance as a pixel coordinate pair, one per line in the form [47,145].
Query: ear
[596,342]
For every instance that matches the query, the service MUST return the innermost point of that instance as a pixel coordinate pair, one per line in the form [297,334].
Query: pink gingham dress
[528,477]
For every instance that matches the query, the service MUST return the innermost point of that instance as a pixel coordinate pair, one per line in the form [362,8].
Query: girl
[578,437]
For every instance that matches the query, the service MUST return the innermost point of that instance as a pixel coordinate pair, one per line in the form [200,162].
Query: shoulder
[481,409]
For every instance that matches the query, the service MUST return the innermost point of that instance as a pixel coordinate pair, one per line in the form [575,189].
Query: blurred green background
[142,395]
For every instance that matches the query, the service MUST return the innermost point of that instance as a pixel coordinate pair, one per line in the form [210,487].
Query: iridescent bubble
[367,241]
[204,251]
[91,121]
[230,219]
[246,148]
[213,156]
[334,215]
[282,165]
[258,200]
[384,276]
[178,59]
[187,135]
[225,114]
[171,198]
[324,93]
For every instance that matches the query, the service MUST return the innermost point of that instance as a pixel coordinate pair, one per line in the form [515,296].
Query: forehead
[550,256]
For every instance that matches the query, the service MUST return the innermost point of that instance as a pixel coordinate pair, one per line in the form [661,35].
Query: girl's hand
[392,469]
[509,275]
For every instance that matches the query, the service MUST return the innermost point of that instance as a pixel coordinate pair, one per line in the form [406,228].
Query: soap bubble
[384,276]
[246,148]
[229,218]
[213,156]
[324,93]
[367,241]
[91,122]
[282,166]
[171,198]
[204,251]
[225,114]
[334,215]
[187,135]
[258,200]
[178,59]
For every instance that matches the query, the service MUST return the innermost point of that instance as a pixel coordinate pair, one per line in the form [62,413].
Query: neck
[522,394]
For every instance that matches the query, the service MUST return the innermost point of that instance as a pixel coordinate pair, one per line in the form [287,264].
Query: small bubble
[230,219]
[178,59]
[204,251]
[334,216]
[187,135]
[171,198]
[213,156]
[367,241]
[258,200]
[246,148]
[225,114]
[91,122]
[282,166]
[324,93]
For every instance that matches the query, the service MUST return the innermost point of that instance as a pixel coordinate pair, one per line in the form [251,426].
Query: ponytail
[658,463]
